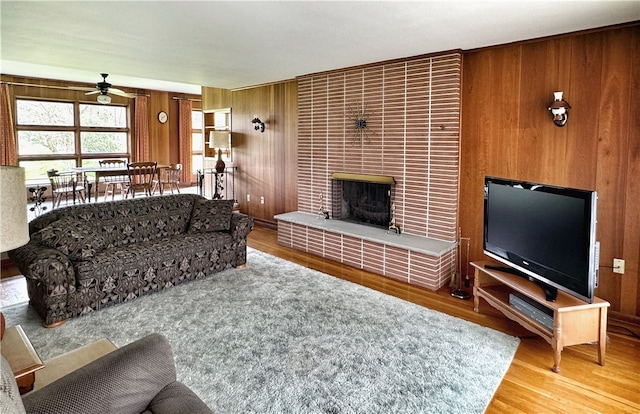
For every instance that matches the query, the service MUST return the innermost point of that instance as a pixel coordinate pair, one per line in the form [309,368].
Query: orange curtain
[142,129]
[184,140]
[8,148]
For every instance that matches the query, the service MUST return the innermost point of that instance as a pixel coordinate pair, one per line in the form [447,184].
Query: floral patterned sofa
[86,257]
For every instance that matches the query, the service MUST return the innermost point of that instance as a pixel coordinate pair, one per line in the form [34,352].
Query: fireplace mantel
[366,178]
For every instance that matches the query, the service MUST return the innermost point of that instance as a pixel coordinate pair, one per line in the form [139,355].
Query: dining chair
[113,182]
[169,176]
[66,184]
[141,176]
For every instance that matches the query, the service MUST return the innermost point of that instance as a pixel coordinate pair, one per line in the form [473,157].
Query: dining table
[98,172]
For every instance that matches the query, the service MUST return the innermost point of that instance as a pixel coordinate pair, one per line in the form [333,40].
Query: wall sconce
[559,109]
[257,123]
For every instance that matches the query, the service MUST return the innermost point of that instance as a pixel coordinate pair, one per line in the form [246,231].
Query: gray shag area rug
[277,337]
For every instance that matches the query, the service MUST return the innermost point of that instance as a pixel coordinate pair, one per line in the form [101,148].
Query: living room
[504,124]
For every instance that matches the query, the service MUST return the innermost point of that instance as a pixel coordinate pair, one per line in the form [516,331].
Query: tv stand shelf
[574,321]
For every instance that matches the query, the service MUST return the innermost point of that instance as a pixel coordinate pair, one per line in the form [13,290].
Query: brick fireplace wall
[413,121]
[412,109]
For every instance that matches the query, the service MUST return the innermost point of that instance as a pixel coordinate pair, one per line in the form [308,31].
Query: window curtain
[184,140]
[8,148]
[142,129]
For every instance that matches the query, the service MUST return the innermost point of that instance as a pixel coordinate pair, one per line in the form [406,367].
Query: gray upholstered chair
[137,378]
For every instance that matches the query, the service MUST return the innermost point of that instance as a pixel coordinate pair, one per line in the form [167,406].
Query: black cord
[626,331]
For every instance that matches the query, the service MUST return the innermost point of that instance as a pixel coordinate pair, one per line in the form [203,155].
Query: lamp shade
[14,229]
[219,139]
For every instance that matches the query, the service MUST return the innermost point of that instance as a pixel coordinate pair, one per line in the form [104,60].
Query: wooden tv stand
[574,321]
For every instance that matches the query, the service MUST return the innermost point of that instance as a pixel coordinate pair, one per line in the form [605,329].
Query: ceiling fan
[104,89]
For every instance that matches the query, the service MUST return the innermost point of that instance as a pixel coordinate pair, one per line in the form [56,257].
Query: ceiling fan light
[104,99]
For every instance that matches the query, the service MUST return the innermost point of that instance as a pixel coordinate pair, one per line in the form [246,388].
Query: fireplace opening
[362,198]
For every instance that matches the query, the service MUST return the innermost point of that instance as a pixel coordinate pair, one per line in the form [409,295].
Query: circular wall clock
[162,117]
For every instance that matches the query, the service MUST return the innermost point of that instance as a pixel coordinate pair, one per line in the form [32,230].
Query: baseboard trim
[266,223]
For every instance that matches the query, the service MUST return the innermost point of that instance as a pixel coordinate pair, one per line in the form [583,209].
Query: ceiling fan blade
[80,88]
[104,88]
[120,92]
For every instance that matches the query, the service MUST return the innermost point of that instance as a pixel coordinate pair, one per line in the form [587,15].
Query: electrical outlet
[618,266]
[248,197]
[261,200]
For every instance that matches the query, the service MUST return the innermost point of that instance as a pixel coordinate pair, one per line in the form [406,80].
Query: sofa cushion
[211,215]
[132,221]
[123,273]
[129,221]
[72,237]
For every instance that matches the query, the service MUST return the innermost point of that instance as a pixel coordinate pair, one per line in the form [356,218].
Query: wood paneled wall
[163,138]
[266,161]
[507,131]
[413,119]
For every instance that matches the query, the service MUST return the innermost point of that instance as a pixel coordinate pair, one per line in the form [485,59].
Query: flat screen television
[543,232]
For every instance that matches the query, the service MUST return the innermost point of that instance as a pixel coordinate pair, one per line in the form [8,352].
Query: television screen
[543,231]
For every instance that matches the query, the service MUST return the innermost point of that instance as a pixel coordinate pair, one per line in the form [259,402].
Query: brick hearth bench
[416,260]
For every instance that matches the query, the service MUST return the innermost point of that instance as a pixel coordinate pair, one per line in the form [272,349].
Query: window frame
[77,156]
[199,129]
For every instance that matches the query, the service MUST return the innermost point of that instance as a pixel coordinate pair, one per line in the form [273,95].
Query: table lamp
[219,140]
[14,228]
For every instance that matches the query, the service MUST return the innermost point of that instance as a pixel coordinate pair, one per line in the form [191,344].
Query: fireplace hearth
[362,198]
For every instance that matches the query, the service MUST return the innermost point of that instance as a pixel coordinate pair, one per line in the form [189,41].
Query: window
[197,154]
[45,142]
[44,113]
[62,135]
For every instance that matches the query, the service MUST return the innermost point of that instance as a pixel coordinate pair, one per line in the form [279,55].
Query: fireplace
[362,198]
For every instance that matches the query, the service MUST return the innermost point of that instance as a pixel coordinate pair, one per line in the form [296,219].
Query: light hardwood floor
[529,385]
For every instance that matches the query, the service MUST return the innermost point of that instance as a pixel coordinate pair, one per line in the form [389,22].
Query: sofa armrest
[44,264]
[123,381]
[178,398]
[241,226]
